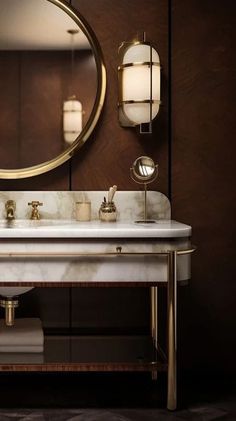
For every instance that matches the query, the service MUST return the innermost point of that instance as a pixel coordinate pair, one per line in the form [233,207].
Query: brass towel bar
[96,254]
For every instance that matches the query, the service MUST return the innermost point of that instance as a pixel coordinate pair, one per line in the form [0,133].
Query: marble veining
[61,204]
[96,269]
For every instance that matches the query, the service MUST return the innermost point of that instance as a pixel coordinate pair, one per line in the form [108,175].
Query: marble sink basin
[21,225]
[10,292]
[28,223]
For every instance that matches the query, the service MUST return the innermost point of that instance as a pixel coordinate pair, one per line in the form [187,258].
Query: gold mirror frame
[96,111]
[138,175]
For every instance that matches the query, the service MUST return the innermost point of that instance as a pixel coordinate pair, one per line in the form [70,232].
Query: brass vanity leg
[154,321]
[172,330]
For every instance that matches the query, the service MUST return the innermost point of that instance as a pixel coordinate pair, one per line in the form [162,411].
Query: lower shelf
[89,353]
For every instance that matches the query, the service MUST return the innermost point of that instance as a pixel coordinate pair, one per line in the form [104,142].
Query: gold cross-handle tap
[35,212]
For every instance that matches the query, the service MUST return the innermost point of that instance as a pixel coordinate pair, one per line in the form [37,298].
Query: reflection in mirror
[72,108]
[43,72]
[144,171]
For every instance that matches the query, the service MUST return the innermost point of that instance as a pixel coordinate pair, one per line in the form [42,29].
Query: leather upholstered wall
[203,175]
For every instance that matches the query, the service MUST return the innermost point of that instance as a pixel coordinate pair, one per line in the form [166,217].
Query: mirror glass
[46,59]
[144,168]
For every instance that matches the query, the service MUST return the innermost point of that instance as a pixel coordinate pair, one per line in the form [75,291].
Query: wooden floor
[207,413]
[110,397]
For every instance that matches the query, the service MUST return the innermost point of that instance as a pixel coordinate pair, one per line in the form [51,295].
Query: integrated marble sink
[62,228]
[58,249]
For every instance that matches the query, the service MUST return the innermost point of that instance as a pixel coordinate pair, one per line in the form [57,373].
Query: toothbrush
[111,193]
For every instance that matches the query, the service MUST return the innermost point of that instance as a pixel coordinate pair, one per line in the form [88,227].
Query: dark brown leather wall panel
[203,175]
[9,119]
[107,157]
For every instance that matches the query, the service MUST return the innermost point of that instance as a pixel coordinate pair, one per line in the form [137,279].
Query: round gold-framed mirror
[90,50]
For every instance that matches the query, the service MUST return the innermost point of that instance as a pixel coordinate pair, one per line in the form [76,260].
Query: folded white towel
[18,348]
[23,358]
[25,332]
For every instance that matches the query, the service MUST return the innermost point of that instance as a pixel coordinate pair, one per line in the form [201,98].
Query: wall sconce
[72,108]
[139,84]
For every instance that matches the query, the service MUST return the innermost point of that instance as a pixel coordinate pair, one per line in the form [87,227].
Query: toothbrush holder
[108,212]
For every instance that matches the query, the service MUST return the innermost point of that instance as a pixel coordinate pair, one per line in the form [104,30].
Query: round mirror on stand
[52,85]
[144,171]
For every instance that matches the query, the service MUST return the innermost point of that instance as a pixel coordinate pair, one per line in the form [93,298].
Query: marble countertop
[62,228]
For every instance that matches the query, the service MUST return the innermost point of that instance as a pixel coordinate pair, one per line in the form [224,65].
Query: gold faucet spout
[10,210]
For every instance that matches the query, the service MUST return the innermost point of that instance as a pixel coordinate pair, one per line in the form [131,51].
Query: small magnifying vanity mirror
[144,171]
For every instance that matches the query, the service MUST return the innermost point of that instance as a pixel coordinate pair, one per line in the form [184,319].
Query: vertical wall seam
[170,100]
[70,174]
[19,107]
[70,188]
[70,288]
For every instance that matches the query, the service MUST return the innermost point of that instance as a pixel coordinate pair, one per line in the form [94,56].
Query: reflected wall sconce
[139,79]
[72,119]
[72,108]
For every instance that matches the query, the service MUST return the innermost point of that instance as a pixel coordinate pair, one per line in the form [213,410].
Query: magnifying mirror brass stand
[144,171]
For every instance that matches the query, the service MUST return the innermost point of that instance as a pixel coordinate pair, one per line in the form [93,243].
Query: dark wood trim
[87,284]
[84,367]
[80,284]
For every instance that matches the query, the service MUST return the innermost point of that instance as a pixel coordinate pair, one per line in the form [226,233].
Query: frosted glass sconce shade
[72,120]
[139,83]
